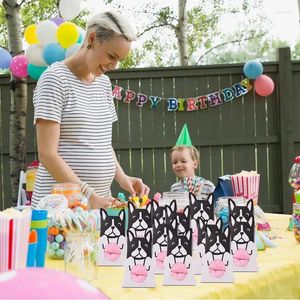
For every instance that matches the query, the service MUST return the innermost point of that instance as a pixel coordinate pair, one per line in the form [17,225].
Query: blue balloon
[5,58]
[53,52]
[253,68]
[35,72]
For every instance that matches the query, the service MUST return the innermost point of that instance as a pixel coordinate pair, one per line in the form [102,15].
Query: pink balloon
[263,85]
[41,283]
[18,66]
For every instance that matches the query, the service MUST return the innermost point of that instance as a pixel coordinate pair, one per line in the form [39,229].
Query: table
[278,277]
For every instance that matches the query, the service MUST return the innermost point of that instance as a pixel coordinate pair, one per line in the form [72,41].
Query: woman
[74,112]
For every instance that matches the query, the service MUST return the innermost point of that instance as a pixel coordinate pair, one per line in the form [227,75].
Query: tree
[17,16]
[191,31]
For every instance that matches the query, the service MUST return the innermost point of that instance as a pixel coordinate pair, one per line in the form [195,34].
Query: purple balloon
[57,20]
[5,58]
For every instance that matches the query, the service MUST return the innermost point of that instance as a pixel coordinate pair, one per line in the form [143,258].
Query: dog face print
[203,209]
[242,232]
[112,226]
[139,219]
[241,214]
[158,213]
[182,218]
[139,248]
[179,246]
[217,242]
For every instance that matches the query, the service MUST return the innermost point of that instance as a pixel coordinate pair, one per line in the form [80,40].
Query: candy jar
[296,220]
[80,255]
[294,179]
[72,192]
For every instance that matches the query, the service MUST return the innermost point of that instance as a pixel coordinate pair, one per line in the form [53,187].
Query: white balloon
[34,54]
[46,32]
[69,9]
[72,50]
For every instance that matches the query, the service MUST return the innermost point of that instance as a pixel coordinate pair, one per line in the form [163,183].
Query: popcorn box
[246,184]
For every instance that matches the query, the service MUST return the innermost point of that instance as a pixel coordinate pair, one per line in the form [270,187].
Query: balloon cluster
[49,41]
[263,84]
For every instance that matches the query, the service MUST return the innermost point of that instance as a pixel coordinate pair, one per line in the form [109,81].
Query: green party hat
[184,137]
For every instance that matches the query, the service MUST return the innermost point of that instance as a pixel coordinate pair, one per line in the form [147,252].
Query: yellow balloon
[67,34]
[30,35]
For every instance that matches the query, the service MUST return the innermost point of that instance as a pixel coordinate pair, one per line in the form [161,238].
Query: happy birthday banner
[185,104]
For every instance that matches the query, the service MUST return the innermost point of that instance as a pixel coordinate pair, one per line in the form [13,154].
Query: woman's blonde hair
[193,151]
[109,24]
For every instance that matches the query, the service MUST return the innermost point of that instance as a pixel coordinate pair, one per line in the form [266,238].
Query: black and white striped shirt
[85,113]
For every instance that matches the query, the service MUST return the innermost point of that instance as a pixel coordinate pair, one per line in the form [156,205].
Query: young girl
[185,161]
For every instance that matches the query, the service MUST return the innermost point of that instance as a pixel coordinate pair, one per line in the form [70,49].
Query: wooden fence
[247,133]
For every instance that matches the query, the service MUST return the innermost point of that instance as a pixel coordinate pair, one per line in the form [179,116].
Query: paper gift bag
[14,234]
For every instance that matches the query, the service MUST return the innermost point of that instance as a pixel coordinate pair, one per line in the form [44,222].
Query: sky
[282,13]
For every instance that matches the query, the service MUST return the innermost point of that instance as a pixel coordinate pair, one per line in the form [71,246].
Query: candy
[59,238]
[54,245]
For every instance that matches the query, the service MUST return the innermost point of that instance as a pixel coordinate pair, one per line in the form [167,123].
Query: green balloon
[35,72]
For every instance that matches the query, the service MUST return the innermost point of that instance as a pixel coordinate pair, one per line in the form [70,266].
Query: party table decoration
[14,236]
[112,242]
[242,227]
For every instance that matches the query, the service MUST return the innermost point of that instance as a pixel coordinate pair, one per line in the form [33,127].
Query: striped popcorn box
[14,233]
[246,184]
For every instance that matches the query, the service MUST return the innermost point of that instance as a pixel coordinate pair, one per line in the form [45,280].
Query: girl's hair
[193,151]
[109,24]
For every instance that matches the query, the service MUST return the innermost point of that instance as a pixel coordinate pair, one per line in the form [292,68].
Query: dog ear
[156,223]
[219,223]
[154,205]
[192,198]
[122,214]
[173,224]
[149,207]
[130,235]
[231,204]
[187,211]
[131,207]
[208,231]
[210,198]
[170,235]
[226,231]
[250,221]
[103,214]
[250,205]
[148,236]
[168,211]
[188,234]
[173,205]
[200,223]
[232,220]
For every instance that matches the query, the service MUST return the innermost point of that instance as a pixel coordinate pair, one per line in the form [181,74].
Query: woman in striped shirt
[74,112]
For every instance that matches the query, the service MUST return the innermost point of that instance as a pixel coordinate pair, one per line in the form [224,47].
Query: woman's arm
[48,133]
[132,185]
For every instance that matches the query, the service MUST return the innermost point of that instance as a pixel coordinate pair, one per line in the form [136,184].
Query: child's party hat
[184,138]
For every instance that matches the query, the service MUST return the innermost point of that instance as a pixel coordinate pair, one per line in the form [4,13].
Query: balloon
[253,68]
[37,283]
[72,49]
[81,34]
[18,66]
[46,32]
[57,20]
[263,85]
[67,34]
[69,9]
[35,72]
[34,55]
[30,34]
[5,58]
[53,52]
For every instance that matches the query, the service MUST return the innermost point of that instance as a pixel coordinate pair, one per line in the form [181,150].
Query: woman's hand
[135,186]
[97,202]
